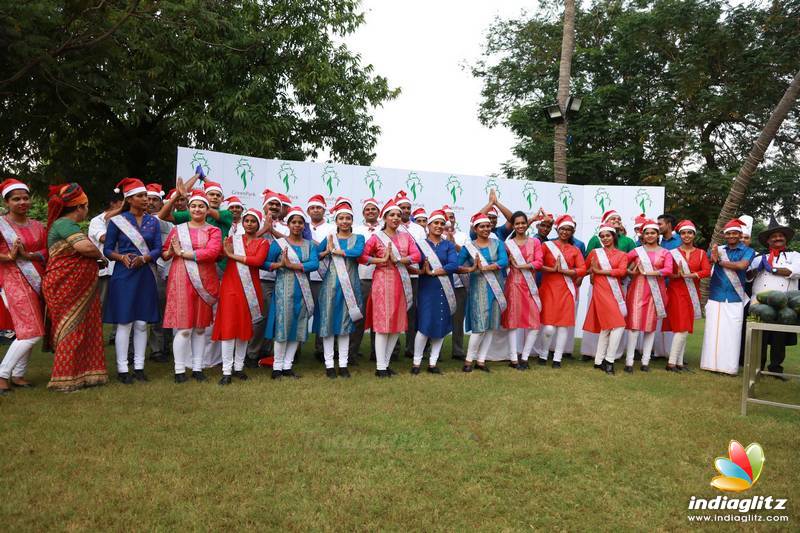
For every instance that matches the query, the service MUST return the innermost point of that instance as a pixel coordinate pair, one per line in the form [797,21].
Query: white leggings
[607,344]
[561,340]
[647,346]
[121,340]
[479,345]
[284,355]
[343,343]
[15,363]
[384,344]
[419,347]
[189,345]
[530,339]
[678,347]
[233,352]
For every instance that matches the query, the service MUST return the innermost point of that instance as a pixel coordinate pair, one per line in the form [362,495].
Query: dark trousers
[258,346]
[458,323]
[411,332]
[357,335]
[315,287]
[160,339]
[777,342]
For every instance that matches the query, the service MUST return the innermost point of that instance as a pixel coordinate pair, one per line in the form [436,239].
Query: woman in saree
[70,293]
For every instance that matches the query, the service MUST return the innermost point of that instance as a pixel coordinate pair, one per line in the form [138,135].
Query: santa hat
[234,200]
[130,187]
[685,225]
[317,200]
[493,211]
[212,186]
[649,223]
[608,214]
[370,201]
[638,221]
[747,224]
[419,213]
[733,224]
[342,208]
[565,220]
[478,218]
[295,210]
[197,194]
[343,200]
[154,189]
[447,210]
[270,196]
[285,200]
[390,205]
[438,214]
[401,198]
[606,227]
[544,215]
[256,213]
[12,185]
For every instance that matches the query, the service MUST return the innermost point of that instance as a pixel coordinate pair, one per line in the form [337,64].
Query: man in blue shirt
[726,301]
[669,239]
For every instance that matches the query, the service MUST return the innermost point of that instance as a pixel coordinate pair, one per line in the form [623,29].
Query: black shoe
[382,373]
[276,374]
[598,367]
[609,368]
[780,378]
[241,375]
[344,373]
[159,358]
[671,368]
[645,368]
[330,373]
[512,364]
[587,358]
[125,378]
[556,364]
[542,362]
[390,372]
[198,375]
[140,375]
[415,370]
[250,363]
[466,368]
[523,366]
[434,370]
[482,368]
[180,378]
[289,374]
[629,369]
[226,380]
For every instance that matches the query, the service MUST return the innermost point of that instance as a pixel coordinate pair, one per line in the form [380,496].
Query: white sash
[344,280]
[661,310]
[243,270]
[191,266]
[732,276]
[447,287]
[490,277]
[683,265]
[613,282]
[302,279]
[516,253]
[405,278]
[136,237]
[563,261]
[29,271]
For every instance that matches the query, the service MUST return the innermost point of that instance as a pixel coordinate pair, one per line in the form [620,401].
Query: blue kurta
[483,312]
[721,289]
[331,316]
[288,318]
[132,292]
[433,316]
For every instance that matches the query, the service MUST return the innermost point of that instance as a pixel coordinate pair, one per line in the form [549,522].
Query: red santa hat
[317,200]
[212,186]
[565,220]
[200,195]
[685,225]
[447,210]
[343,200]
[401,198]
[638,221]
[493,211]
[390,205]
[154,189]
[130,187]
[420,212]
[295,210]
[270,196]
[285,200]
[478,218]
[370,201]
[12,185]
[606,227]
[608,214]
[438,214]
[234,200]
[649,223]
[171,193]
[342,208]
[256,213]
[733,224]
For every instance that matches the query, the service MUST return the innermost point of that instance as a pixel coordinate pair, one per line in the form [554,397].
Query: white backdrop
[247,177]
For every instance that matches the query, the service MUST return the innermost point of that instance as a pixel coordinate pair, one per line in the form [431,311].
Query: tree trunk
[564,71]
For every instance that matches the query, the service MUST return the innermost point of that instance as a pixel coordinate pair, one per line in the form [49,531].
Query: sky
[421,47]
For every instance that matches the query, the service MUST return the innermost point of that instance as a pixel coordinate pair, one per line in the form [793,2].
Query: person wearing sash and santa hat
[436,293]
[320,229]
[159,339]
[485,260]
[240,296]
[221,218]
[392,252]
[370,211]
[192,286]
[607,266]
[292,258]
[340,304]
[459,239]
[236,207]
[521,291]
[562,265]
[683,292]
[646,300]
[402,201]
[778,269]
[638,222]
[133,242]
[23,254]
[420,217]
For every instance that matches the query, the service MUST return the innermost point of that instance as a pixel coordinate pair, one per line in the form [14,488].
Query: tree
[564,68]
[266,78]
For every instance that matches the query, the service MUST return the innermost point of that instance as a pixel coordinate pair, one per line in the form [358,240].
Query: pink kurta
[641,308]
[522,311]
[386,305]
[558,305]
[23,304]
[185,308]
[604,311]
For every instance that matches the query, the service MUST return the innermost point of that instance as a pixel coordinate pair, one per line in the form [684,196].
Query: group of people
[246,286]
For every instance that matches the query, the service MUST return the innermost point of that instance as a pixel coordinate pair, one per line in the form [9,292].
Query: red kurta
[680,313]
[558,305]
[521,311]
[24,305]
[233,320]
[642,314]
[604,311]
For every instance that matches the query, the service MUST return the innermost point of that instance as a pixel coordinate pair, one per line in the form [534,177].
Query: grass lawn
[568,449]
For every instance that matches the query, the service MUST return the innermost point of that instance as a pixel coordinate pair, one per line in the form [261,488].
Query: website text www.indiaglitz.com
[744,518]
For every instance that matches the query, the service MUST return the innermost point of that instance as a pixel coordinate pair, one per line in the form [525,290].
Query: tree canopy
[674,94]
[93,91]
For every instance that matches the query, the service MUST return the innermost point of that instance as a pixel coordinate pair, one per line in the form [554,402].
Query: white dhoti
[500,348]
[589,343]
[722,336]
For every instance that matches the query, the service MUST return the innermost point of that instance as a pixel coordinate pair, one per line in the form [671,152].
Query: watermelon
[787,316]
[776,299]
[764,312]
[794,303]
[793,294]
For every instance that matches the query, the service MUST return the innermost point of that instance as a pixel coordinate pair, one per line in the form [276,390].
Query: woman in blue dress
[436,293]
[292,257]
[133,242]
[487,260]
[340,306]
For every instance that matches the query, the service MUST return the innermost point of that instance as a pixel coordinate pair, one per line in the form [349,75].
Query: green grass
[568,449]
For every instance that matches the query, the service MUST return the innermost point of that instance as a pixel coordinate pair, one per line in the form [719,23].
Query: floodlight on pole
[553,113]
[574,104]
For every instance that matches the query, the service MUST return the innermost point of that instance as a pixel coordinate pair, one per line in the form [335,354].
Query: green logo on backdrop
[529,192]
[199,158]
[492,183]
[454,188]
[286,175]
[414,184]
[565,195]
[643,200]
[329,177]
[373,181]
[244,171]
[603,198]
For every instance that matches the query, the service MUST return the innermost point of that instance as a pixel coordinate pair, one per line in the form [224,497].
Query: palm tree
[564,71]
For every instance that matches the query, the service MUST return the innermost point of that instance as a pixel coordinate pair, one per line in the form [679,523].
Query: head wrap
[61,196]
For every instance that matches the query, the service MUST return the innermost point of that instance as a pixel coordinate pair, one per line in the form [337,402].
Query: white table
[752,363]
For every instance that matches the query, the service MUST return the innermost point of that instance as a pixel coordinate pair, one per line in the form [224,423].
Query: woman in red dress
[683,292]
[607,309]
[240,298]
